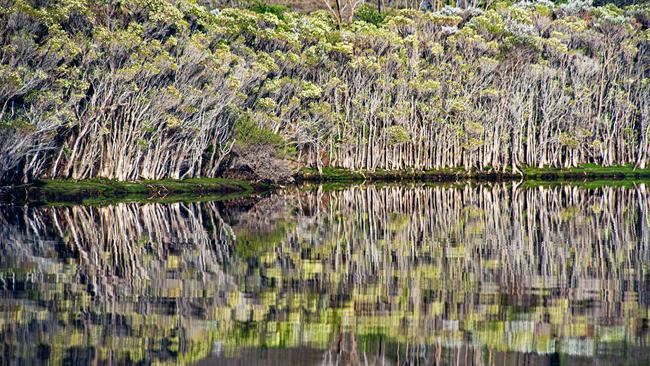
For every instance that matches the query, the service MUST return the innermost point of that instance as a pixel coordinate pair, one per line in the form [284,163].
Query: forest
[156,89]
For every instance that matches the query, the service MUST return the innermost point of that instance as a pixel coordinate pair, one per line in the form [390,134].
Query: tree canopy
[153,89]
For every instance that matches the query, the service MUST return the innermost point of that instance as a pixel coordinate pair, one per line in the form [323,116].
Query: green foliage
[569,141]
[371,15]
[248,133]
[397,135]
[104,191]
[589,171]
[311,91]
[16,123]
[261,7]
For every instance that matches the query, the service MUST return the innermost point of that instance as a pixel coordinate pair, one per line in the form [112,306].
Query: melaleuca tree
[146,92]
[155,90]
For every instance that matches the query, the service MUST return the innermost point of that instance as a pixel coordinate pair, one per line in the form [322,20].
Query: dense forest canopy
[172,89]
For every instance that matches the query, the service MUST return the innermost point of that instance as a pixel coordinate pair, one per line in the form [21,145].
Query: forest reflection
[475,274]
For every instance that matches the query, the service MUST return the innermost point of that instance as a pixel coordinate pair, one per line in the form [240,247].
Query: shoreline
[104,191]
[584,172]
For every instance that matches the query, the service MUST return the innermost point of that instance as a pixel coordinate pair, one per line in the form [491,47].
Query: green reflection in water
[474,274]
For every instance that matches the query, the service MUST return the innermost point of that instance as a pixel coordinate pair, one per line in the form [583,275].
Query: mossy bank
[584,172]
[98,191]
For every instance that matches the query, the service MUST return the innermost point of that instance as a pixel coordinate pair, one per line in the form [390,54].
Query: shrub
[247,132]
[263,8]
[369,14]
[259,154]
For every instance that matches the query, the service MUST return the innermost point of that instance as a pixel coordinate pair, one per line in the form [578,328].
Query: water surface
[476,274]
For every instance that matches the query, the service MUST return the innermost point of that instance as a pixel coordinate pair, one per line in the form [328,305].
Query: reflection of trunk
[339,269]
[112,242]
[567,235]
[140,274]
[528,234]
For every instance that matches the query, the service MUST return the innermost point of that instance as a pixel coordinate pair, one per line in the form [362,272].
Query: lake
[455,274]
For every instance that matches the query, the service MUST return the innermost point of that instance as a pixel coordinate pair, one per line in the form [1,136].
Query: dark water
[430,275]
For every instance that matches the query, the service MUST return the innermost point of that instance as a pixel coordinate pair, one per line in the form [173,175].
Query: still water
[477,274]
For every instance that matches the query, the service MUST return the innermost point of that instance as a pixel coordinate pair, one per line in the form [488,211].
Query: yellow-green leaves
[568,140]
[267,103]
[310,91]
[265,64]
[162,11]
[397,135]
[436,48]
[490,24]
[443,20]
[458,105]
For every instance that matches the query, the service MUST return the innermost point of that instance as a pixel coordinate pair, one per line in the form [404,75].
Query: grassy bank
[587,171]
[99,191]
[443,175]
[584,172]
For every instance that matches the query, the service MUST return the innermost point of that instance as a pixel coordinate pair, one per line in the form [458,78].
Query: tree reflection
[469,274]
